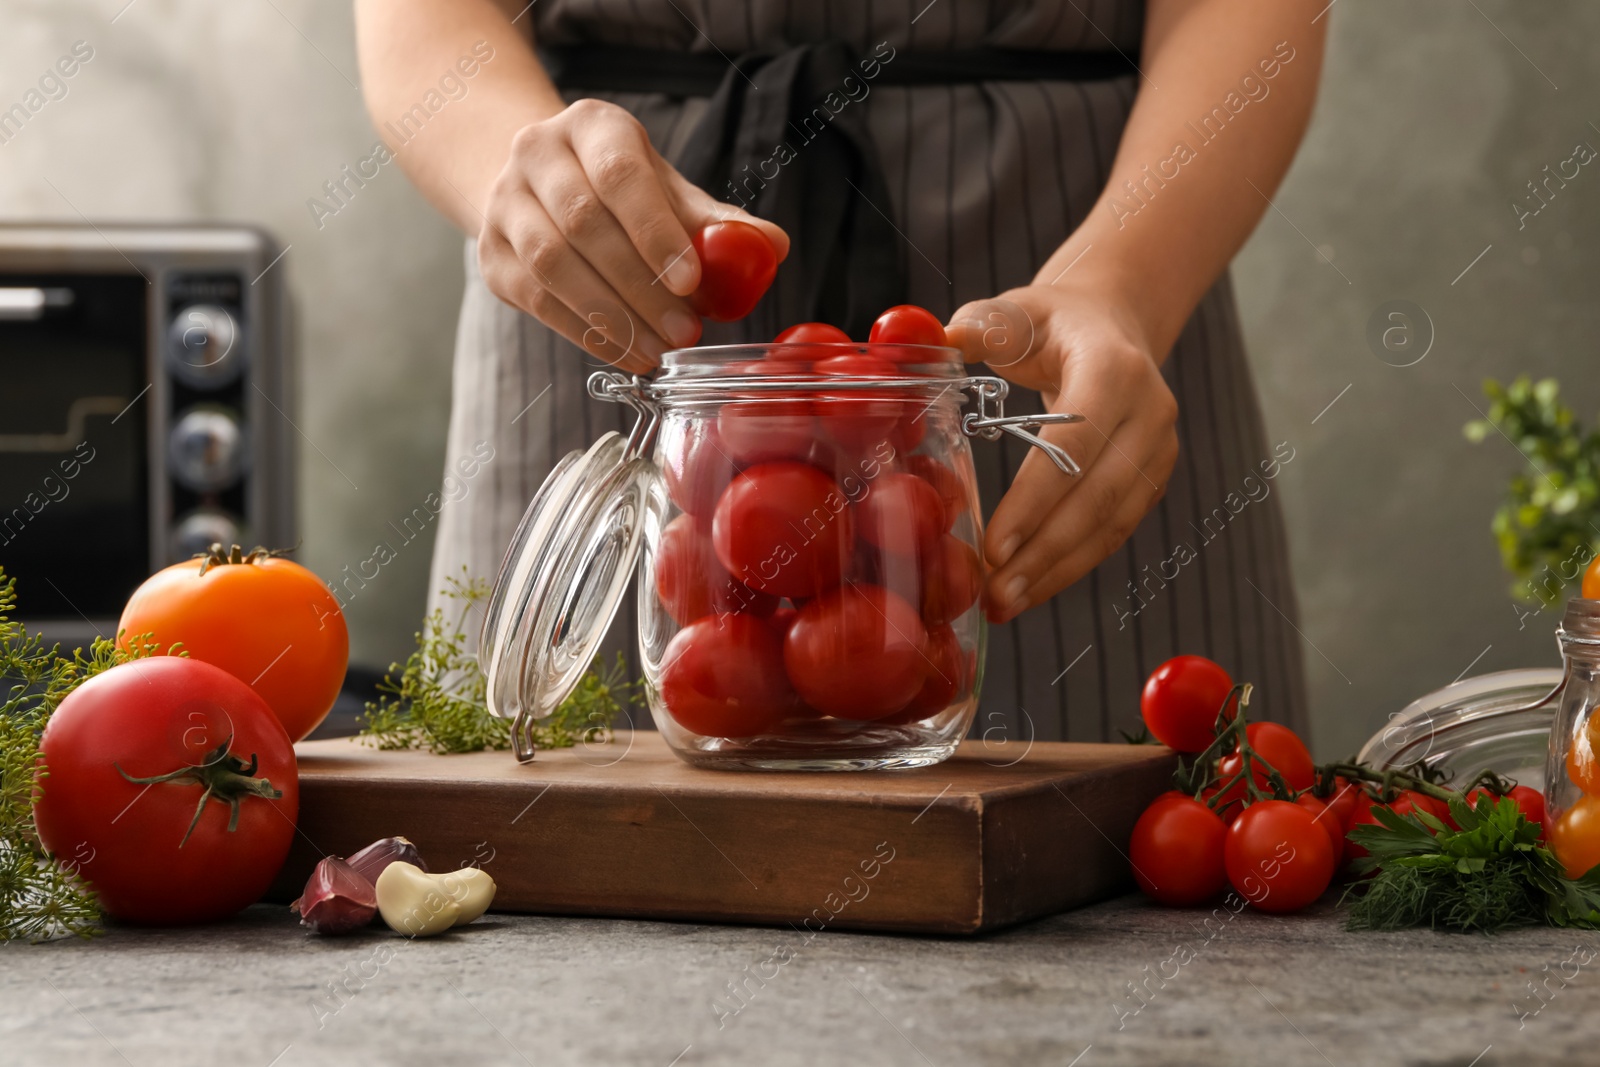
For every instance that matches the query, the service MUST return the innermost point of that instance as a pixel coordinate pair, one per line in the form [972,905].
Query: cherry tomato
[1228,810]
[1327,819]
[945,482]
[1277,857]
[857,652]
[1410,801]
[200,727]
[1176,851]
[1575,836]
[737,264]
[691,582]
[761,431]
[784,529]
[1583,757]
[907,324]
[900,513]
[1181,701]
[695,465]
[910,429]
[1277,745]
[1591,580]
[1360,815]
[1342,802]
[1528,799]
[722,676]
[952,577]
[812,333]
[269,622]
[945,680]
[858,419]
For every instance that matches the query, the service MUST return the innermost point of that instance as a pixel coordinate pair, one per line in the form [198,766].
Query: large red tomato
[1181,701]
[129,758]
[723,676]
[737,264]
[691,582]
[267,621]
[785,529]
[857,652]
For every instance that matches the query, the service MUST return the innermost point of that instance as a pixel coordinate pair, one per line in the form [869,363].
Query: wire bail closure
[988,422]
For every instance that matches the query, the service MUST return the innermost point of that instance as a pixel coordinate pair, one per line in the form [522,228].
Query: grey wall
[1430,123]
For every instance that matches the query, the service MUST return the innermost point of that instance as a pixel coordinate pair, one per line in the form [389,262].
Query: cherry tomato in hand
[1181,701]
[857,652]
[907,324]
[812,333]
[150,718]
[691,582]
[270,623]
[722,676]
[784,529]
[1177,851]
[737,264]
[1278,857]
[1575,836]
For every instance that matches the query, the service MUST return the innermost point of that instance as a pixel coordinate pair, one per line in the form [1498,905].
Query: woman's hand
[1083,349]
[587,229]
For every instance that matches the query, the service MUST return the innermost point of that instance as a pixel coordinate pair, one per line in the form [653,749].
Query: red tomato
[722,676]
[910,429]
[737,264]
[945,680]
[901,513]
[907,324]
[1360,815]
[1342,802]
[1411,801]
[1181,701]
[1228,810]
[1327,819]
[691,582]
[785,529]
[1176,851]
[1574,836]
[951,580]
[270,623]
[857,420]
[761,431]
[1277,857]
[857,652]
[695,465]
[1277,745]
[812,333]
[1527,798]
[139,844]
[944,481]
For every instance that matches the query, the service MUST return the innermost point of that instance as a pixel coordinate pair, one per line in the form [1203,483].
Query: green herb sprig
[1489,875]
[437,699]
[41,896]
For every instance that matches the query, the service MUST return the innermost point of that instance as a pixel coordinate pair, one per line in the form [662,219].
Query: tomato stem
[217,556]
[226,778]
[1389,781]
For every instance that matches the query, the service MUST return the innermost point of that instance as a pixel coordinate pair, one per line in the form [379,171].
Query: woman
[1079,172]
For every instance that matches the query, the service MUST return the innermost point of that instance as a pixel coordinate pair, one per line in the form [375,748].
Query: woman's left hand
[1084,350]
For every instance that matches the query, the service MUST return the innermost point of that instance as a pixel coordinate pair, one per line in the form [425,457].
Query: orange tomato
[1575,837]
[1583,756]
[267,621]
[1591,580]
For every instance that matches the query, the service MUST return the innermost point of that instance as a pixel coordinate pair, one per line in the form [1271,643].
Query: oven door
[75,406]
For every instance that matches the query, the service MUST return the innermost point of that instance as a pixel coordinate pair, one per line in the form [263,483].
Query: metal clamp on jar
[807,524]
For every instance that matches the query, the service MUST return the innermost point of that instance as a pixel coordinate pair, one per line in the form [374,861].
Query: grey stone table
[1119,983]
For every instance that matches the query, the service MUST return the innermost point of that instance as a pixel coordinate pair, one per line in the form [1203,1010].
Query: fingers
[1074,534]
[611,338]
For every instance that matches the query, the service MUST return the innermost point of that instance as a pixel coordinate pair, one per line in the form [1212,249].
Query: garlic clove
[414,902]
[370,861]
[472,889]
[336,900]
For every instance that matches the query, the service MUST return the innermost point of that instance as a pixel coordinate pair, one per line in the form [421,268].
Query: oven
[145,409]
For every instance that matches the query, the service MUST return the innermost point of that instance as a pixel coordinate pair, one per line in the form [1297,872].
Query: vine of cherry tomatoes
[1252,810]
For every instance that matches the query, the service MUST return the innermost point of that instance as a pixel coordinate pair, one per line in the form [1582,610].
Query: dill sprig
[41,896]
[437,700]
[1490,874]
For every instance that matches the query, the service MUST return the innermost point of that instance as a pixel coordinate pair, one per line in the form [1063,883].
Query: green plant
[1550,520]
[437,699]
[41,896]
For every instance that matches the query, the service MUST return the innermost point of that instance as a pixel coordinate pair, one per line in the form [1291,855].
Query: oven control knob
[197,531]
[206,449]
[202,347]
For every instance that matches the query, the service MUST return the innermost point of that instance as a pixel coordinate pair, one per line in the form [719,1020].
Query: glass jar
[806,525]
[1572,771]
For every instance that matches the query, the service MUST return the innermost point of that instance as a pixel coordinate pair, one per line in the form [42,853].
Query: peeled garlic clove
[414,902]
[336,900]
[471,888]
[370,861]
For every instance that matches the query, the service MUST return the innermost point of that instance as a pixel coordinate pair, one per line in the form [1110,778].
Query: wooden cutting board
[628,830]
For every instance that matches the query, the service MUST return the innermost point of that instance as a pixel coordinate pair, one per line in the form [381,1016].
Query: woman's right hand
[587,229]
